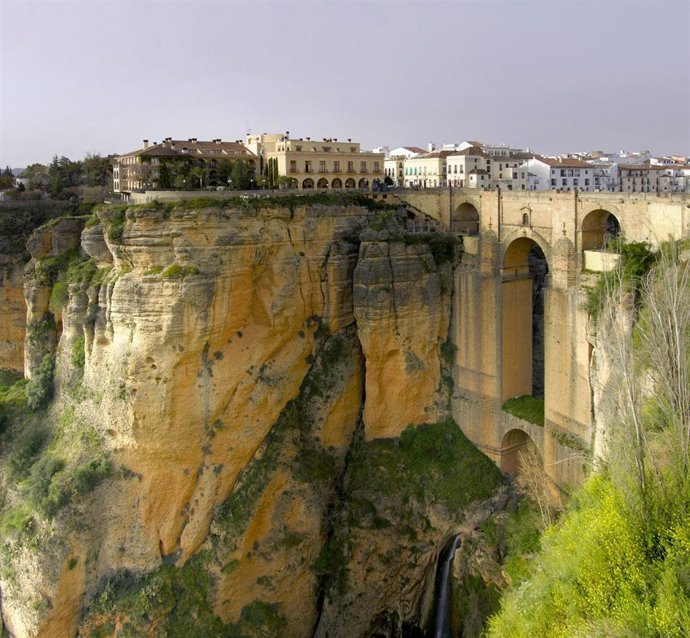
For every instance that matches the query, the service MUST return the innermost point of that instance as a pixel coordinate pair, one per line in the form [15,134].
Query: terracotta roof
[473,150]
[646,167]
[564,163]
[174,148]
[433,154]
[414,149]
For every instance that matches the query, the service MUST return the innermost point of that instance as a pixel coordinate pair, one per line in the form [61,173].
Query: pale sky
[98,76]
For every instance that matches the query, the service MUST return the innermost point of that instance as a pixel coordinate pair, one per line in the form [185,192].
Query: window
[362,167]
[307,167]
[326,149]
[350,167]
[376,167]
[562,172]
[298,148]
[564,182]
[515,175]
[293,166]
[336,167]
[322,166]
[586,182]
[353,149]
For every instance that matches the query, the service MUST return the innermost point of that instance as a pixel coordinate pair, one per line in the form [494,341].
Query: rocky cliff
[219,441]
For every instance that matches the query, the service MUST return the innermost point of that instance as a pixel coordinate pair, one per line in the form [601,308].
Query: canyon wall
[224,378]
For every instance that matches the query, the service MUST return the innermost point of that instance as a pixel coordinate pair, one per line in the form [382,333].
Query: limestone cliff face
[12,313]
[221,358]
[402,310]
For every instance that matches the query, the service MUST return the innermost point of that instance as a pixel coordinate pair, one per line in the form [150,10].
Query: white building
[561,174]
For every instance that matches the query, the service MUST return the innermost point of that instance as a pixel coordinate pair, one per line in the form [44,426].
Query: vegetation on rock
[617,562]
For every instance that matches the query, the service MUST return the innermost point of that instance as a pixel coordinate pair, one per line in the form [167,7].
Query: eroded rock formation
[230,363]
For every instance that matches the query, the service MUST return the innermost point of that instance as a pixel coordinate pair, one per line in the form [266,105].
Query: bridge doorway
[465,220]
[524,275]
[513,447]
[598,228]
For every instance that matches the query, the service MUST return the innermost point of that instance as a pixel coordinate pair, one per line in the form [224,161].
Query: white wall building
[562,174]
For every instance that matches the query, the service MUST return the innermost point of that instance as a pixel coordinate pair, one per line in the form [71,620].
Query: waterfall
[442,620]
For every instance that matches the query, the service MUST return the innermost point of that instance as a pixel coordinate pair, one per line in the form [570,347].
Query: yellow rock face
[216,334]
[12,315]
[403,311]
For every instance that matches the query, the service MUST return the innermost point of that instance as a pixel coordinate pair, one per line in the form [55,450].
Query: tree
[63,176]
[7,171]
[37,174]
[97,170]
[240,176]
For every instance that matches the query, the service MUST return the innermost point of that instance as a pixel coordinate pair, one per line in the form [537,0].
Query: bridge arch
[598,226]
[513,443]
[524,277]
[465,219]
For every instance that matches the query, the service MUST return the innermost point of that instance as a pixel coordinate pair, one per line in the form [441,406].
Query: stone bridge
[519,318]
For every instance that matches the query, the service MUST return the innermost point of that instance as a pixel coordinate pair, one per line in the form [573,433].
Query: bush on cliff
[618,563]
[39,390]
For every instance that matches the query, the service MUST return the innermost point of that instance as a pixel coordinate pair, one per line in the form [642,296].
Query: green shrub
[593,577]
[636,260]
[58,297]
[115,225]
[175,271]
[78,355]
[39,389]
[24,447]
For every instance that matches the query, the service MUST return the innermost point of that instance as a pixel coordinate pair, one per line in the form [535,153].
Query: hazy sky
[555,75]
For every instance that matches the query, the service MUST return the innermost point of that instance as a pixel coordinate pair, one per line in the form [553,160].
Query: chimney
[431,147]
[146,144]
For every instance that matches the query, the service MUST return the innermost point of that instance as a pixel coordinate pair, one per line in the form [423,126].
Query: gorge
[246,416]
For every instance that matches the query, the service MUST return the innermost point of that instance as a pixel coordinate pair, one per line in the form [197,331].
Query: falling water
[442,624]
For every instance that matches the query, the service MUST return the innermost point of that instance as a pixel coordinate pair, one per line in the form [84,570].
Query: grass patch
[527,408]
[416,467]
[176,271]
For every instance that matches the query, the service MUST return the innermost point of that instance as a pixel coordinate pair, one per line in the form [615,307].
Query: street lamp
[251,184]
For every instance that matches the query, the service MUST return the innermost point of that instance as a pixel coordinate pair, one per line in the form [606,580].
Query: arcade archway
[524,272]
[465,220]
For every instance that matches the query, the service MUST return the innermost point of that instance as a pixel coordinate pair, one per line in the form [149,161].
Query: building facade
[307,164]
[180,164]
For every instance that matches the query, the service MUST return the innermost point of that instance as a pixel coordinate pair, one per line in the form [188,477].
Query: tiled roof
[473,151]
[174,148]
[557,162]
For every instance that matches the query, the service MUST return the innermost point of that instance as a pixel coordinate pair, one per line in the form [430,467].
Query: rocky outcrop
[12,313]
[221,358]
[401,302]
